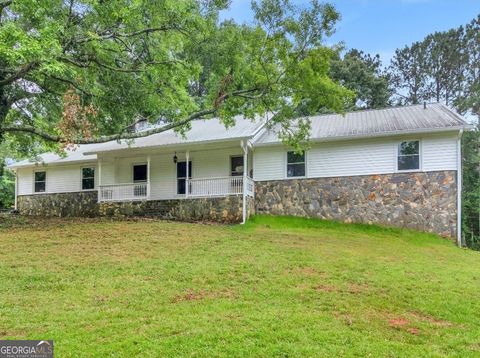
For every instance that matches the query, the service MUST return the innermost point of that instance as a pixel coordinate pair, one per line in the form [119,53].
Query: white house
[397,166]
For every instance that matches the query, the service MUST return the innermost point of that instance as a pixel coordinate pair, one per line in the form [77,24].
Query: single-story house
[397,166]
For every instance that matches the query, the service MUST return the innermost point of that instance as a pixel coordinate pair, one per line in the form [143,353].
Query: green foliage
[365,76]
[152,60]
[471,188]
[409,74]
[7,189]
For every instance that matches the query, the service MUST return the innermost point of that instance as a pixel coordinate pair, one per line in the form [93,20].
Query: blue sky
[381,26]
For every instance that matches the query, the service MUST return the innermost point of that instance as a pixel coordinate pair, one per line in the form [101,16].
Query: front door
[182,175]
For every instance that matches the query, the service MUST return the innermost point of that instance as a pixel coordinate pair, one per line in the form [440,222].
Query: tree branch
[19,74]
[106,36]
[102,139]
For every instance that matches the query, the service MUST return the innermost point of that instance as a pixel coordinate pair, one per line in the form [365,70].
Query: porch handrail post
[148,176]
[187,180]
[244,181]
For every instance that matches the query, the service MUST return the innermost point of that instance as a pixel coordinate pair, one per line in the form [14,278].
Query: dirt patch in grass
[398,322]
[434,321]
[356,289]
[325,288]
[197,295]
[403,324]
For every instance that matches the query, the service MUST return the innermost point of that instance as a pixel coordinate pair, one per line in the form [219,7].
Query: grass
[275,287]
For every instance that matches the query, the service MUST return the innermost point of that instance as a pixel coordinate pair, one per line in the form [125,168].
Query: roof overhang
[377,135]
[184,145]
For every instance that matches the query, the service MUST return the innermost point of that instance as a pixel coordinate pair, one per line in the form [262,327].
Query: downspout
[459,188]
[244,146]
[16,189]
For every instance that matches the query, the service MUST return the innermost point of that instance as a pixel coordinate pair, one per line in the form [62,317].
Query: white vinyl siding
[269,163]
[60,179]
[359,157]
[347,159]
[439,153]
[25,181]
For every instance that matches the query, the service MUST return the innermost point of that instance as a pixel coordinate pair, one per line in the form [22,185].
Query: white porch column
[244,146]
[99,186]
[148,176]
[187,181]
[16,189]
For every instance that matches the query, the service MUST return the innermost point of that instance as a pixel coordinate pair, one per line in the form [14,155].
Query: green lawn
[275,287]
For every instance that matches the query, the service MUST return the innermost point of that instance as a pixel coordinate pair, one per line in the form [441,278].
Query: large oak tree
[84,71]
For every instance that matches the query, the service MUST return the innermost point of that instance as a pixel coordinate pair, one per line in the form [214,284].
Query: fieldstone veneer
[59,204]
[218,209]
[422,201]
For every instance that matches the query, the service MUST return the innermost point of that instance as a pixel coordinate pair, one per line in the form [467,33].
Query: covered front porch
[215,170]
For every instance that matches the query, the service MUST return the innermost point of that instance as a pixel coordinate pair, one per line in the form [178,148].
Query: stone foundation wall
[59,204]
[81,204]
[221,209]
[422,201]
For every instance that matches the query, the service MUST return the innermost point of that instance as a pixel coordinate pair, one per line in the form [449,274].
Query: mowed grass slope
[275,287]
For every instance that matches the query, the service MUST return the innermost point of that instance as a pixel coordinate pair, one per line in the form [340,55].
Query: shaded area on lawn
[273,287]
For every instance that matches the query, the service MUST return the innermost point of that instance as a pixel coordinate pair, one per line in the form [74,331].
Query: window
[295,164]
[88,178]
[182,176]
[236,166]
[140,173]
[409,155]
[40,181]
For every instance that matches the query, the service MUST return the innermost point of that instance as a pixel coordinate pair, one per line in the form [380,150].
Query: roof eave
[377,135]
[39,163]
[172,145]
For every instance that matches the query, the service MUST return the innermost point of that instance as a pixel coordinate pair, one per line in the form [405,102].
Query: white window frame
[94,180]
[230,163]
[135,165]
[176,177]
[34,181]
[285,166]
[420,156]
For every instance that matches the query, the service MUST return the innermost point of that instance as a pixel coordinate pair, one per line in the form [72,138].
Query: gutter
[459,188]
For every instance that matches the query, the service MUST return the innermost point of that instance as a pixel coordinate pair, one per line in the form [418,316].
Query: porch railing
[250,186]
[123,192]
[221,186]
[201,187]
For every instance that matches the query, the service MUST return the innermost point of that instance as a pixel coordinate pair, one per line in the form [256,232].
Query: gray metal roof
[73,155]
[369,123]
[202,131]
[379,122]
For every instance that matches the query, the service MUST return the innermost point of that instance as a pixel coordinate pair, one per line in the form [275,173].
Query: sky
[381,26]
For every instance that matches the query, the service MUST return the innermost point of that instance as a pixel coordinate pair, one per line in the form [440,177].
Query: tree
[364,75]
[446,61]
[409,73]
[84,71]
